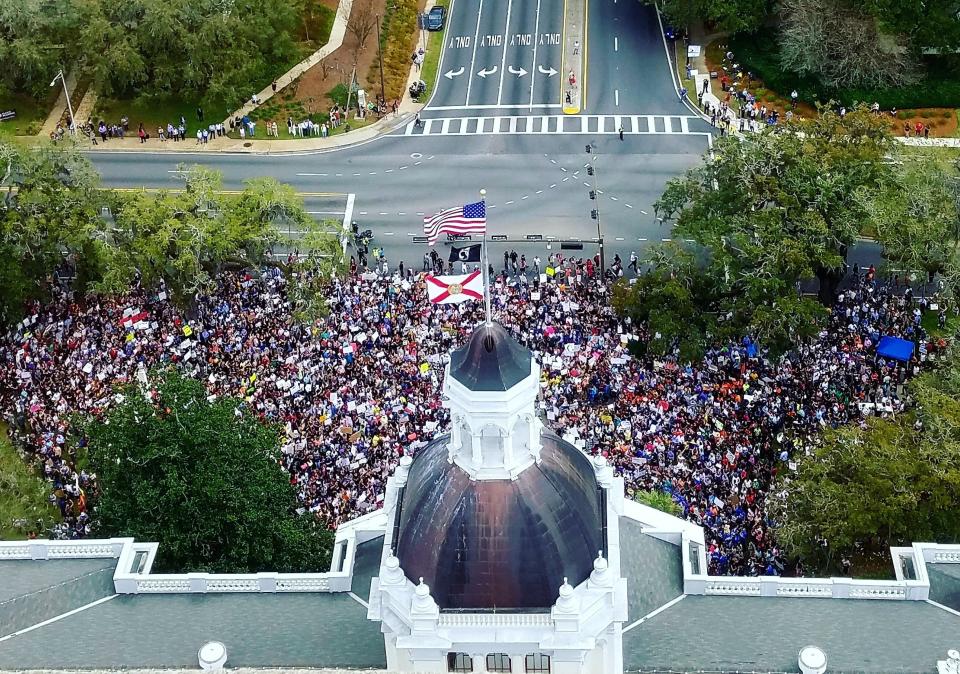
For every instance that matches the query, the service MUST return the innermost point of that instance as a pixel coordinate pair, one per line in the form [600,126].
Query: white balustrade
[496,620]
[733,586]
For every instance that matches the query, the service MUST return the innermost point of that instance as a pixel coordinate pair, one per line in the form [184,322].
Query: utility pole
[595,211]
[383,93]
[72,124]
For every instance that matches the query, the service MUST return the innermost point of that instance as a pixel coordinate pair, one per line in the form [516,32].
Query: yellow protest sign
[424,368]
[187,331]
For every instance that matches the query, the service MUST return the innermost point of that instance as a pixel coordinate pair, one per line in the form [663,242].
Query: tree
[202,478]
[915,212]
[185,238]
[926,25]
[362,23]
[311,274]
[48,216]
[726,15]
[889,482]
[766,213]
[843,46]
[660,500]
[34,43]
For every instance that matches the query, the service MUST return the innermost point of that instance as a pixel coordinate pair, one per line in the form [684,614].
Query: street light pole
[383,93]
[71,125]
[595,212]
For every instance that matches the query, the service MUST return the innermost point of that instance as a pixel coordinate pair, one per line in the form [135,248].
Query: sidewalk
[59,110]
[337,33]
[574,47]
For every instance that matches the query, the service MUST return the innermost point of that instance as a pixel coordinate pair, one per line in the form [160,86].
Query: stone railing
[827,588]
[940,553]
[496,620]
[220,582]
[47,549]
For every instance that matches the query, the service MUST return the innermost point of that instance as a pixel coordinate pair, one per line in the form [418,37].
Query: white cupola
[491,386]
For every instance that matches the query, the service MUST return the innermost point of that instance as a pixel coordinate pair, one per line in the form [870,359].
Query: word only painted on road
[492,41]
[459,42]
[549,38]
[522,39]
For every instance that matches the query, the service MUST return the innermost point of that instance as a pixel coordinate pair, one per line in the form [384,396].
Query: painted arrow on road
[518,72]
[450,74]
[548,73]
[483,73]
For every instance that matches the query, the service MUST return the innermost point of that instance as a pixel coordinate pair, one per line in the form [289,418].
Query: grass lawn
[155,113]
[929,323]
[431,60]
[30,114]
[23,494]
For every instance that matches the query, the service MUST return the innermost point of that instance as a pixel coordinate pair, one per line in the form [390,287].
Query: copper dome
[500,544]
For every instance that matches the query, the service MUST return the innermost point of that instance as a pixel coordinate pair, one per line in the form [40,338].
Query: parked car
[436,18]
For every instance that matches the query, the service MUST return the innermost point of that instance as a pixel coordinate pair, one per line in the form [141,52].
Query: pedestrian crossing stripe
[547,124]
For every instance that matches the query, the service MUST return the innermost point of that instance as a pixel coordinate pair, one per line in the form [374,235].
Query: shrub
[758,53]
[398,37]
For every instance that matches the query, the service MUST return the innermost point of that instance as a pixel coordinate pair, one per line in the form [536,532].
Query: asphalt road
[531,162]
[500,54]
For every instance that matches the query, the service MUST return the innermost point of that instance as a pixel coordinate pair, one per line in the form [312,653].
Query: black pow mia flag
[465,253]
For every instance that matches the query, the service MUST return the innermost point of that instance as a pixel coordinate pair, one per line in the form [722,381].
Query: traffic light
[594,214]
[593,194]
[590,170]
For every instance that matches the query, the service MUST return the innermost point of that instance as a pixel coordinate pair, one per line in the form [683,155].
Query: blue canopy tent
[896,348]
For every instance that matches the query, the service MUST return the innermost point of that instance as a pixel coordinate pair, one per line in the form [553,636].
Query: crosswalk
[547,124]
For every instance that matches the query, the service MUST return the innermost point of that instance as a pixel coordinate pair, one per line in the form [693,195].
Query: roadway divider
[573,85]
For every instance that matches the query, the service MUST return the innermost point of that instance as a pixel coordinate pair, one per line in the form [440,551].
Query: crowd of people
[357,389]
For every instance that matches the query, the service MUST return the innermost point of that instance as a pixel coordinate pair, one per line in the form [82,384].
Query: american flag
[469,219]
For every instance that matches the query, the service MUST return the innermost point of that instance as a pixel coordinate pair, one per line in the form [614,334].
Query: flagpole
[483,261]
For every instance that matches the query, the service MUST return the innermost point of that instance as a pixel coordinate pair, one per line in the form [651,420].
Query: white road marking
[402,167]
[558,124]
[553,185]
[563,169]
[356,174]
[420,213]
[586,184]
[553,161]
[388,233]
[389,171]
[339,175]
[641,239]
[324,212]
[417,163]
[401,213]
[644,212]
[363,212]
[614,199]
[616,97]
[384,213]
[616,44]
[491,106]
[411,234]
[473,57]
[503,58]
[539,191]
[372,173]
[508,203]
[666,239]
[533,68]
[565,179]
[628,205]
[299,174]
[525,196]
[620,238]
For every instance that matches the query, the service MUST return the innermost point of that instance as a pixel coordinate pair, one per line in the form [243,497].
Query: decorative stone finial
[403,469]
[392,573]
[603,471]
[566,603]
[601,571]
[422,601]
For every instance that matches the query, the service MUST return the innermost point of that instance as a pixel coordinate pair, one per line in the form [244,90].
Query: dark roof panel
[491,360]
[500,544]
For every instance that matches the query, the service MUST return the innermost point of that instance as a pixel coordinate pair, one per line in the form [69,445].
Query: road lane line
[616,97]
[299,174]
[503,58]
[644,212]
[473,58]
[539,192]
[616,44]
[533,68]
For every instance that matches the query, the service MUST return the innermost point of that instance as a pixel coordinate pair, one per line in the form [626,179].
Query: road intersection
[498,124]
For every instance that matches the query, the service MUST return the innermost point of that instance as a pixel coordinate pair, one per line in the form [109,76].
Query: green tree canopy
[202,478]
[47,214]
[915,213]
[726,15]
[765,213]
[184,238]
[890,482]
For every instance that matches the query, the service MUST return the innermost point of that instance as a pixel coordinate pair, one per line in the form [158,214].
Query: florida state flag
[455,289]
